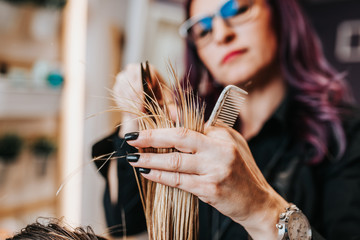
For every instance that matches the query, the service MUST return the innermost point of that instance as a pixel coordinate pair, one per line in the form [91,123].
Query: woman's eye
[242,10]
[203,33]
[202,29]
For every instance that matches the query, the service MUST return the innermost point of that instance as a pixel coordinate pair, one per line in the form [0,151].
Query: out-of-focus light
[73,108]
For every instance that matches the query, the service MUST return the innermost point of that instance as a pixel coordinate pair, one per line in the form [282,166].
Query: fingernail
[132,157]
[131,136]
[144,170]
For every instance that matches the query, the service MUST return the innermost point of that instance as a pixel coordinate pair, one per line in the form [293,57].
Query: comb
[227,107]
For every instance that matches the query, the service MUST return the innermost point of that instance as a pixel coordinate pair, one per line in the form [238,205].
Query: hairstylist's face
[238,53]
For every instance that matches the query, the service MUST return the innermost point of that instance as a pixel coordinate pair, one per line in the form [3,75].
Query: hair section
[170,213]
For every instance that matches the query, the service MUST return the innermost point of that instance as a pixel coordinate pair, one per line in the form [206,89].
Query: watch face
[298,227]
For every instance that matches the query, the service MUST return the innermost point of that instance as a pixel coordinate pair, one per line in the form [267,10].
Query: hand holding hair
[218,167]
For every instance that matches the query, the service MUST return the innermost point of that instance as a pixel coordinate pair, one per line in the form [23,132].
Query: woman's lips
[228,57]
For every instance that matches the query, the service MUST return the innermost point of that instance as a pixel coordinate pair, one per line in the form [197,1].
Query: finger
[186,182]
[226,135]
[127,89]
[171,162]
[219,133]
[173,111]
[182,139]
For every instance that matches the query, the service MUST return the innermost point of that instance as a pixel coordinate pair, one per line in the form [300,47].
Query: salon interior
[58,62]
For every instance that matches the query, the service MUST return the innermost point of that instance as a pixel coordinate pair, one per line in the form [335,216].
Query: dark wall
[338,24]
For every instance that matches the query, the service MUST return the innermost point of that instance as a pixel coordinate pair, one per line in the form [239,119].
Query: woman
[296,141]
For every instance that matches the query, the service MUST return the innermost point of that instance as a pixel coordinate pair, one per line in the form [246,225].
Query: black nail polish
[132,157]
[144,170]
[131,136]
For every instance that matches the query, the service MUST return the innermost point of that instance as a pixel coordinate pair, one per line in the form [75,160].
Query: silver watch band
[284,228]
[293,225]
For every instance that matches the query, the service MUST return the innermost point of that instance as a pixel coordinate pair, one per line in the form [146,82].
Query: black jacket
[328,193]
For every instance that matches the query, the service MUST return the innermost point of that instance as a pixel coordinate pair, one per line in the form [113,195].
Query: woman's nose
[222,32]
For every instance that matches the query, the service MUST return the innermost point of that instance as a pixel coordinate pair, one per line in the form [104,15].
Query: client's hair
[55,229]
[170,213]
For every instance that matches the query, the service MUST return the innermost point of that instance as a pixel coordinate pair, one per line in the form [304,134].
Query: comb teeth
[227,107]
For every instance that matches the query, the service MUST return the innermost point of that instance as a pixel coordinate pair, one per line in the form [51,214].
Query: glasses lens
[236,10]
[201,30]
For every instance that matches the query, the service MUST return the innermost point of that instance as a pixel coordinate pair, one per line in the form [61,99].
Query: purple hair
[317,90]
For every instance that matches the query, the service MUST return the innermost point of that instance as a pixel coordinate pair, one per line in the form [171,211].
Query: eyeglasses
[198,29]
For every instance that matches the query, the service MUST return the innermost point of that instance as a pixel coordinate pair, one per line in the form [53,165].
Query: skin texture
[256,66]
[255,39]
[128,94]
[218,166]
[126,90]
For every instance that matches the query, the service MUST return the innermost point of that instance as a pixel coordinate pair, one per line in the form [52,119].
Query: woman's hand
[218,167]
[129,96]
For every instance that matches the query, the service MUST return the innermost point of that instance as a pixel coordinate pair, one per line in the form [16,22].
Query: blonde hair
[170,213]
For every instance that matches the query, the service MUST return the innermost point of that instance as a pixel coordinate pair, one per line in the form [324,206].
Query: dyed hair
[317,90]
[55,230]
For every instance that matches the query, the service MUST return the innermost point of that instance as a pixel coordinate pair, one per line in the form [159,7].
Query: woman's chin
[234,81]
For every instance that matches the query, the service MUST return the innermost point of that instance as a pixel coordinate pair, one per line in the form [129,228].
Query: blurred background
[58,62]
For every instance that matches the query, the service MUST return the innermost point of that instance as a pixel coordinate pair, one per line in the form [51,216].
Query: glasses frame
[185,26]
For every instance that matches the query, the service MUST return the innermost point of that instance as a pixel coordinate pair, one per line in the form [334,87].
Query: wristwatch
[293,225]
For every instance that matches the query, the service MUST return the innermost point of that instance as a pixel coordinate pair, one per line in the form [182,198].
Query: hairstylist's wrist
[129,123]
[262,224]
